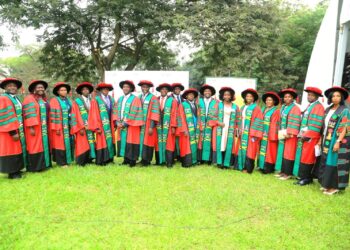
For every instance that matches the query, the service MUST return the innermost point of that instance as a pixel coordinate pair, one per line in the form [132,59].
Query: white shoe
[332,192]
[284,178]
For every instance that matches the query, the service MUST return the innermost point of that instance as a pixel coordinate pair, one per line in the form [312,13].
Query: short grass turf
[117,207]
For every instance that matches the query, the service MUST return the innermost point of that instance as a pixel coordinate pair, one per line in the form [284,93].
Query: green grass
[159,208]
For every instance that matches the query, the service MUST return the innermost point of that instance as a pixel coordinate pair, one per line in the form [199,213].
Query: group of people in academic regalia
[189,126]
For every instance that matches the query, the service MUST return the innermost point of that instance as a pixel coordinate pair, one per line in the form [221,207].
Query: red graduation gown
[134,121]
[188,146]
[82,147]
[152,111]
[256,131]
[272,138]
[105,147]
[11,158]
[170,137]
[61,144]
[38,146]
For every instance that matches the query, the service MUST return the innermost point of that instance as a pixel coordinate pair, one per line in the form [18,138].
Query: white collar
[85,98]
[127,96]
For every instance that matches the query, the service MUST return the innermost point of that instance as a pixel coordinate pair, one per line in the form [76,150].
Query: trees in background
[267,40]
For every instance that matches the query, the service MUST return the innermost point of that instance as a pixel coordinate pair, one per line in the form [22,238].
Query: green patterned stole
[304,124]
[230,135]
[44,129]
[90,135]
[264,140]
[66,130]
[335,122]
[163,129]
[106,125]
[192,130]
[145,107]
[18,109]
[242,153]
[283,125]
[124,132]
[206,133]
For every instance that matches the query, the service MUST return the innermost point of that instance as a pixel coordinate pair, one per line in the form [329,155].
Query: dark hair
[244,99]
[342,100]
[222,93]
[275,101]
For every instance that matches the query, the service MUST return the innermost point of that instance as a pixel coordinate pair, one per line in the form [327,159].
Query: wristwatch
[339,141]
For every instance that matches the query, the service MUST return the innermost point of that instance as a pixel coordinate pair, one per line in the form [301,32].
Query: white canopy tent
[326,64]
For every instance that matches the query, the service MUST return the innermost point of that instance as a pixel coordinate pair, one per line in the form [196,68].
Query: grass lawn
[159,208]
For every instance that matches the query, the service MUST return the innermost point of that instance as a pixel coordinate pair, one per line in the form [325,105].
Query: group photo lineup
[174,124]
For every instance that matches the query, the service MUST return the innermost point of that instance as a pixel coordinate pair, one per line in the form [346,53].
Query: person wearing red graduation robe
[225,120]
[128,118]
[101,123]
[166,127]
[13,156]
[269,142]
[84,138]
[309,137]
[251,132]
[150,108]
[177,88]
[62,142]
[205,103]
[188,128]
[288,132]
[36,127]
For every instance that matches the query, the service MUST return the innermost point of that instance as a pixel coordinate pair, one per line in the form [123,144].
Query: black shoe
[17,175]
[132,164]
[304,182]
[169,165]
[145,163]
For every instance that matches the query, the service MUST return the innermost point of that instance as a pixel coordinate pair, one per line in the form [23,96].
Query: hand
[150,131]
[173,131]
[31,131]
[98,131]
[86,127]
[58,132]
[336,147]
[15,137]
[305,139]
[221,124]
[120,125]
[186,133]
[81,131]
